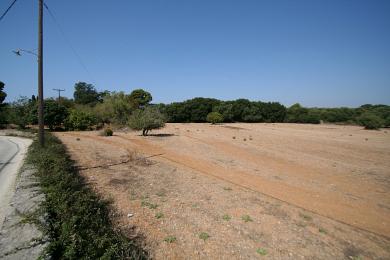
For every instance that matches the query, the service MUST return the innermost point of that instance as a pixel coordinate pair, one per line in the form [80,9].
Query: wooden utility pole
[41,134]
[59,93]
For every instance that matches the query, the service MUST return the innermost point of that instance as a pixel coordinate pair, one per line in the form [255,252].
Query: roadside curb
[21,236]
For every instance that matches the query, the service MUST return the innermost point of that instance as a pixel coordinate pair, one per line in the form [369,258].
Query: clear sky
[319,53]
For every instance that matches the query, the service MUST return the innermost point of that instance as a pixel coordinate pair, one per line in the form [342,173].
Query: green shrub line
[77,220]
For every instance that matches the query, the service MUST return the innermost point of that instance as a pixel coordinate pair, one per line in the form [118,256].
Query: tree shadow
[161,135]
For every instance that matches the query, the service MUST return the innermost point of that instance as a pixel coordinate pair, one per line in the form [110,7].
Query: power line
[68,41]
[6,11]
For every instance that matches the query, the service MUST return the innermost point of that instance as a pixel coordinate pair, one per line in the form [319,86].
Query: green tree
[115,108]
[85,94]
[252,113]
[79,120]
[139,98]
[3,108]
[298,114]
[3,95]
[146,120]
[370,121]
[214,118]
[20,112]
[226,110]
[54,113]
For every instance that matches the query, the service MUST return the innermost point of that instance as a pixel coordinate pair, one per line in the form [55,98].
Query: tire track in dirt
[324,204]
[285,167]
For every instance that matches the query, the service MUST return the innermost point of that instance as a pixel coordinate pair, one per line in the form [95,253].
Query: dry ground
[284,190]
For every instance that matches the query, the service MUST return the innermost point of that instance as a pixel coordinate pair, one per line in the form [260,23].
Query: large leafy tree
[115,108]
[86,94]
[55,113]
[147,119]
[3,113]
[22,112]
[139,98]
[3,95]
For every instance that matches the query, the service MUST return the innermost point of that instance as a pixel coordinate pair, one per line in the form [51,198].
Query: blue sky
[318,53]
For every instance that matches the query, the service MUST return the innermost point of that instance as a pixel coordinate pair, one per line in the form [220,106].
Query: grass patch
[322,230]
[306,217]
[149,205]
[78,220]
[204,236]
[159,215]
[247,218]
[261,251]
[170,239]
[226,217]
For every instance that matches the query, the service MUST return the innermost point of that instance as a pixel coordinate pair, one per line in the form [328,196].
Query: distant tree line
[243,110]
[92,109]
[240,110]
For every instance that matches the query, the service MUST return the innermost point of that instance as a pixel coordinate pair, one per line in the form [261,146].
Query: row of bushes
[243,110]
[240,110]
[78,221]
[90,108]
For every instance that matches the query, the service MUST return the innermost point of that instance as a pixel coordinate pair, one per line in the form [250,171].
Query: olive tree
[146,120]
[214,118]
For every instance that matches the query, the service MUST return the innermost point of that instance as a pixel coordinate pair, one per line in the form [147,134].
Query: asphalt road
[12,151]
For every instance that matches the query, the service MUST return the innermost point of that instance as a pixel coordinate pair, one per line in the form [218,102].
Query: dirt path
[339,173]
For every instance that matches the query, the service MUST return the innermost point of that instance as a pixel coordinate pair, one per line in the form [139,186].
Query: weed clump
[108,131]
[261,251]
[226,217]
[78,221]
[204,236]
[246,218]
[159,215]
[170,239]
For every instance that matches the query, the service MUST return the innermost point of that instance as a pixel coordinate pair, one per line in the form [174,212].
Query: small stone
[130,215]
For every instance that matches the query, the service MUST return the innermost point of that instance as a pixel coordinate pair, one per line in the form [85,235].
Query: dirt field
[277,191]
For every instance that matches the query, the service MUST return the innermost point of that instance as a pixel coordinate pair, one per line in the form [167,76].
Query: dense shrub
[370,121]
[23,112]
[54,113]
[298,114]
[214,118]
[86,94]
[79,120]
[240,110]
[108,131]
[77,221]
[146,120]
[115,108]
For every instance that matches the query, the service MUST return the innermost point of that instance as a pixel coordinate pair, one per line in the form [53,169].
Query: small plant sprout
[170,239]
[159,215]
[306,217]
[160,193]
[246,218]
[204,236]
[149,205]
[226,217]
[261,251]
[322,230]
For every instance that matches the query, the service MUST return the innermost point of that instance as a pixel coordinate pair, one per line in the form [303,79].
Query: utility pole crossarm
[59,93]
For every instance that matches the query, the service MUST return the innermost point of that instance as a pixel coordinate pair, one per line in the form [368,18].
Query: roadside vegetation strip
[78,220]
